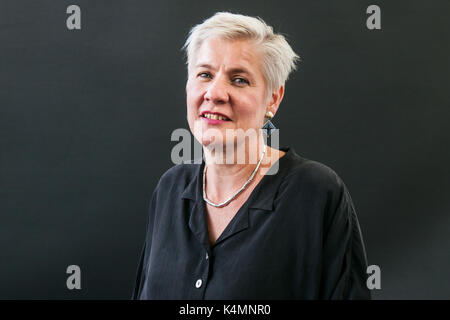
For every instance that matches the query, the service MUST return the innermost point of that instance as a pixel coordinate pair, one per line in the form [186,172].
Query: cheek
[192,107]
[251,111]
[191,113]
[190,102]
[193,97]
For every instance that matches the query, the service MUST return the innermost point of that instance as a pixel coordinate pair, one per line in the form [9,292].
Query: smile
[213,116]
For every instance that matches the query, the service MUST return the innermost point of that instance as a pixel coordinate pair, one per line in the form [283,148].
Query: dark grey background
[86,118]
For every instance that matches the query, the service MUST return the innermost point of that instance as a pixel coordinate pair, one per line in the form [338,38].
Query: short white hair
[278,58]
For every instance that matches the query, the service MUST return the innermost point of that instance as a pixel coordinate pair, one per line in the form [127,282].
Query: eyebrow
[232,70]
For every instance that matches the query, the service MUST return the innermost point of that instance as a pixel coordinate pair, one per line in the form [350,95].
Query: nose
[216,91]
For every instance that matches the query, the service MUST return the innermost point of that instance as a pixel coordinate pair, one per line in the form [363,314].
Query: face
[225,78]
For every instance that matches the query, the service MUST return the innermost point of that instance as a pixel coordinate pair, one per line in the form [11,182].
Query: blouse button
[198,284]
[207,256]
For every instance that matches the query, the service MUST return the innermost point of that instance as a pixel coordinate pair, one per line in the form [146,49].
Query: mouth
[214,116]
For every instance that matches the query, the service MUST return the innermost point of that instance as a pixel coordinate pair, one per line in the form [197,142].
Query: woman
[232,229]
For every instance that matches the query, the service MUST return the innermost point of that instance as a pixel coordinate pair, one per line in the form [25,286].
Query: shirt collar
[263,195]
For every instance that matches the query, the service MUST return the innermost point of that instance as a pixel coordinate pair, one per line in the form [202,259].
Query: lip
[213,121]
[218,113]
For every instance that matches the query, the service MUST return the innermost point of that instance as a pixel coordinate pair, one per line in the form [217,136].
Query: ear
[275,100]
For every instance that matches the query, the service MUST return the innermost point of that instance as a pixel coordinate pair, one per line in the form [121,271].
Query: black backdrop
[86,117]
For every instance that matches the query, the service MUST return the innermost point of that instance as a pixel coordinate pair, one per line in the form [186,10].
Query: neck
[224,176]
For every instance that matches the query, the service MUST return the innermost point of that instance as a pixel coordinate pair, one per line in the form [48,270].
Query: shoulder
[317,187]
[312,175]
[313,185]
[178,176]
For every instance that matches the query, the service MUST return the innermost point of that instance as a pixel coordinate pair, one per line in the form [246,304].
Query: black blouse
[296,237]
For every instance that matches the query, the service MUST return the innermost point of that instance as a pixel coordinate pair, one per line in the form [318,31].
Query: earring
[268,125]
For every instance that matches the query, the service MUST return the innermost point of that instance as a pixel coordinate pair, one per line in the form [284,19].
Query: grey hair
[278,58]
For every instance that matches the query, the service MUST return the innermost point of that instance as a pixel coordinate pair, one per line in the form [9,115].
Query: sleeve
[139,277]
[344,256]
[145,252]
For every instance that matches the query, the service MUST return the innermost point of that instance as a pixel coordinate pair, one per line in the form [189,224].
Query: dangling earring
[268,125]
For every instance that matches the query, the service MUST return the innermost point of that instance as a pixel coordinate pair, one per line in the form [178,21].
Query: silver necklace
[224,203]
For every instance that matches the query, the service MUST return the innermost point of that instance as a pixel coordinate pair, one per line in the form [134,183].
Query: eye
[240,81]
[204,75]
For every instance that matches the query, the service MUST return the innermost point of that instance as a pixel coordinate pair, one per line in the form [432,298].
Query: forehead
[232,54]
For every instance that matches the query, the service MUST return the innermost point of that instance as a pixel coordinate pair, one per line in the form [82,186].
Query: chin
[210,141]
